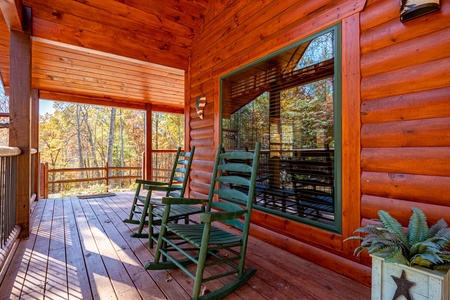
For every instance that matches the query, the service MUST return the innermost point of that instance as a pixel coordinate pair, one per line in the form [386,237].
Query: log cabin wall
[404,113]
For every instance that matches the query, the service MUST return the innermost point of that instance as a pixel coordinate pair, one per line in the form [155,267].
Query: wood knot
[57,14]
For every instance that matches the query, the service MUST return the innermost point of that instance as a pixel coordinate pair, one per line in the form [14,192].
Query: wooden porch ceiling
[128,51]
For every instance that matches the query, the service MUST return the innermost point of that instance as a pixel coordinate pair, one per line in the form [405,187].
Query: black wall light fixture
[411,9]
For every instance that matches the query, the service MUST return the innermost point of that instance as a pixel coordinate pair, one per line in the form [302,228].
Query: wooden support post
[20,118]
[46,180]
[35,140]
[41,181]
[148,142]
[107,176]
[143,166]
[275,140]
[187,119]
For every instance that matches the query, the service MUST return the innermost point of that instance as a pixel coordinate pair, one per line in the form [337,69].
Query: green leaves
[393,226]
[417,228]
[419,246]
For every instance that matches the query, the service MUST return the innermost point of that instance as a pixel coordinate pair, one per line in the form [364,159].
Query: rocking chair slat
[237,155]
[234,180]
[231,194]
[235,167]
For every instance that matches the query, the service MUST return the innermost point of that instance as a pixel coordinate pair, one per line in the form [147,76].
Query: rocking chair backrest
[180,172]
[241,170]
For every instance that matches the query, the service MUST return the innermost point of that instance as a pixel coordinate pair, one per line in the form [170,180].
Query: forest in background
[86,136]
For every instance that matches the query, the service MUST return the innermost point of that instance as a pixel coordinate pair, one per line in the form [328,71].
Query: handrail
[9,151]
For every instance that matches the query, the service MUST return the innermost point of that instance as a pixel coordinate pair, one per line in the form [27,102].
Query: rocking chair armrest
[163,188]
[208,217]
[150,182]
[173,200]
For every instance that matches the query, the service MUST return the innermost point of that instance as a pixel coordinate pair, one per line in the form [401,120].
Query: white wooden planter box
[429,284]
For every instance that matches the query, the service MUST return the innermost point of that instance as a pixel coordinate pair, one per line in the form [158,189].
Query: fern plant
[420,245]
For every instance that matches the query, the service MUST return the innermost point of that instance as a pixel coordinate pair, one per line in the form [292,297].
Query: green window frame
[335,31]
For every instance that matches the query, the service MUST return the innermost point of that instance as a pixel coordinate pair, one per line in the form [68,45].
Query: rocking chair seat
[193,234]
[175,212]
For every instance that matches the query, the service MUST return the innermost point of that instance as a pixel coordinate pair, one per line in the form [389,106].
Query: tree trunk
[90,138]
[112,127]
[80,146]
[122,159]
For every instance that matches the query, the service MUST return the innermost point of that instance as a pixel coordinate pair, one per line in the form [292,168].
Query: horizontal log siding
[405,113]
[236,33]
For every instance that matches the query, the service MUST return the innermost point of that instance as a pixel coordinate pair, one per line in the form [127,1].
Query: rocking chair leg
[130,218]
[150,226]
[160,243]
[139,233]
[201,262]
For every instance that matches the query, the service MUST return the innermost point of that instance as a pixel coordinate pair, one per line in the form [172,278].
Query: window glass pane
[319,49]
[287,102]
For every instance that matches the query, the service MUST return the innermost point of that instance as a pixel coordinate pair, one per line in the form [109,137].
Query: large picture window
[289,102]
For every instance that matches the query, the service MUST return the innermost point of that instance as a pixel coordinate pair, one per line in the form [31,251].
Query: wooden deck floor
[81,249]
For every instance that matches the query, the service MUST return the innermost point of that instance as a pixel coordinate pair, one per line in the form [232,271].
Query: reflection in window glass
[287,103]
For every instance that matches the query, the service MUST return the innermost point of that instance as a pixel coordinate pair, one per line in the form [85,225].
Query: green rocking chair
[205,245]
[143,205]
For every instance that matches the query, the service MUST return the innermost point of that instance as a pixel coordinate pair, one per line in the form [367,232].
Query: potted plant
[412,262]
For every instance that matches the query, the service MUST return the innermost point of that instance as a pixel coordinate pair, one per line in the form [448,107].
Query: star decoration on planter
[403,286]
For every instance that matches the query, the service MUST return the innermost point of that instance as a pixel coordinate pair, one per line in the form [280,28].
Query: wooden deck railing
[105,174]
[9,231]
[8,189]
[162,164]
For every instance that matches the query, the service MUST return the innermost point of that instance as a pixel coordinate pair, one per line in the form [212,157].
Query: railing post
[148,143]
[143,166]
[107,176]
[45,175]
[41,181]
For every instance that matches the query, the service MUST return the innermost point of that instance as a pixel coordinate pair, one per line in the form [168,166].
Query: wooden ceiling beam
[116,102]
[76,98]
[103,92]
[13,13]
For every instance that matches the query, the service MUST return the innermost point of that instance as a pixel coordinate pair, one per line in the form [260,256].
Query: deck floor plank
[56,283]
[36,275]
[163,279]
[140,278]
[117,273]
[13,281]
[81,249]
[98,275]
[77,279]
